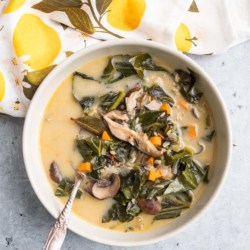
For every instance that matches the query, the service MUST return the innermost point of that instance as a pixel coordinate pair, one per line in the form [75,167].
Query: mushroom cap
[148,206]
[104,189]
[55,173]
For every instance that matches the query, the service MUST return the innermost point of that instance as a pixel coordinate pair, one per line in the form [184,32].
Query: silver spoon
[58,232]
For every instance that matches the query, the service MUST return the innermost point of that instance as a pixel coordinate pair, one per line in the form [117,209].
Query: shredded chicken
[131,101]
[153,105]
[139,140]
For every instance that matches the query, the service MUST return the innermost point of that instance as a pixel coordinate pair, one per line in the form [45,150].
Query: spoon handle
[58,232]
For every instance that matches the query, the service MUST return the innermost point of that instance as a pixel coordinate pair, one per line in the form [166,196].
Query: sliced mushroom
[103,189]
[148,206]
[131,100]
[139,140]
[55,173]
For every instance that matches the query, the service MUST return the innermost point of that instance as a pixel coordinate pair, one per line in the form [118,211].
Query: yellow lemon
[2,86]
[14,5]
[183,38]
[126,14]
[34,38]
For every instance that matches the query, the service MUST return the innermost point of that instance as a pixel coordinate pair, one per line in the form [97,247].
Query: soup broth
[193,137]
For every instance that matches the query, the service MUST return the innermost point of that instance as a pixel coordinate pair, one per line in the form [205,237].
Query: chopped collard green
[135,147]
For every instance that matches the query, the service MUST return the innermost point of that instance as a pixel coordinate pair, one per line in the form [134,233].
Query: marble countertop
[24,222]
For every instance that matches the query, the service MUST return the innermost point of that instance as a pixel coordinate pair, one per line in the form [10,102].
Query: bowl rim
[154,45]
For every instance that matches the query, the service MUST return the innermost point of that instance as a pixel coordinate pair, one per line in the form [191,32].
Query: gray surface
[24,223]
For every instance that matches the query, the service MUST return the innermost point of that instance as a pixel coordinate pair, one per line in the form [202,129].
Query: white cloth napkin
[36,35]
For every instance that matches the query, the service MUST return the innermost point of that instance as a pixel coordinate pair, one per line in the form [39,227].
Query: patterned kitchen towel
[36,35]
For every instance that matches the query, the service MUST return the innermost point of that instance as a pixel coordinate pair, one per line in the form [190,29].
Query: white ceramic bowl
[31,147]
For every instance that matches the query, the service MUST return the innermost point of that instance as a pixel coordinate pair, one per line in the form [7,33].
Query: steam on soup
[143,134]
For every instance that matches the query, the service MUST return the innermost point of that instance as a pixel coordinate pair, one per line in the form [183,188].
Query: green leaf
[143,62]
[187,80]
[138,61]
[92,124]
[118,68]
[48,6]
[209,137]
[176,200]
[122,150]
[86,102]
[170,159]
[79,19]
[117,212]
[168,214]
[96,144]
[102,5]
[84,149]
[37,76]
[189,178]
[132,209]
[157,92]
[147,118]
[76,75]
[65,187]
[131,183]
[112,100]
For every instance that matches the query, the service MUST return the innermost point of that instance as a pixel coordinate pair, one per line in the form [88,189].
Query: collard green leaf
[122,150]
[176,200]
[65,187]
[112,100]
[92,124]
[117,212]
[87,102]
[100,162]
[83,76]
[118,68]
[85,150]
[170,159]
[149,117]
[82,100]
[102,5]
[79,19]
[209,137]
[186,80]
[189,178]
[132,209]
[131,184]
[157,92]
[119,99]
[96,144]
[150,190]
[143,62]
[138,63]
[48,6]
[168,214]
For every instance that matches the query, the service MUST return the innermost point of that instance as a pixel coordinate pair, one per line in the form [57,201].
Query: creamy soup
[141,132]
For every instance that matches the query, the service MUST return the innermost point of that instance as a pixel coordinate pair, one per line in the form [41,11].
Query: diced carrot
[85,167]
[151,161]
[192,132]
[105,136]
[156,140]
[158,173]
[152,175]
[184,104]
[166,107]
